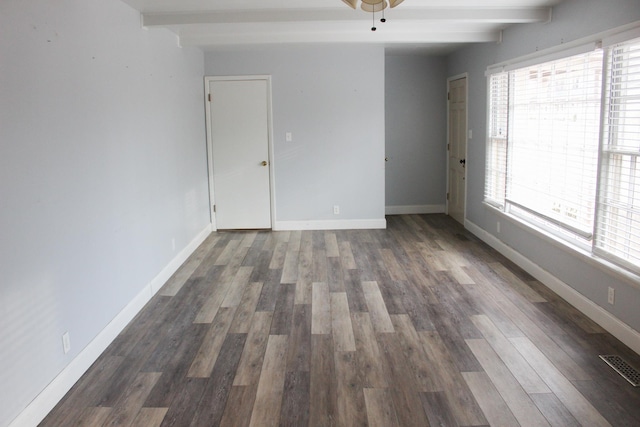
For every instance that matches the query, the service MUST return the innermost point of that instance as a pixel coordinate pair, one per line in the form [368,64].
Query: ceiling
[432,26]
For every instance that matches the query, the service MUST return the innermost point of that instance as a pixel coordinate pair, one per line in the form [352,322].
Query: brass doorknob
[264,163]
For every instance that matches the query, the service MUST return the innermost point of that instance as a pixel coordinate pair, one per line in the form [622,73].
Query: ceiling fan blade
[351,3]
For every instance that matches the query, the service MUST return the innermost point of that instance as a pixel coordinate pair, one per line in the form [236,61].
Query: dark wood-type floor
[420,324]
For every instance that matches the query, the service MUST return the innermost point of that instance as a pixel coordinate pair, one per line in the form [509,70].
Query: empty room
[328,213]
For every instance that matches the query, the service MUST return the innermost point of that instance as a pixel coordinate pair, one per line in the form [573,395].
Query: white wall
[416,133]
[572,19]
[102,164]
[331,99]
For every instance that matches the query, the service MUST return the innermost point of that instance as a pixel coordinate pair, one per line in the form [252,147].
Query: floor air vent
[623,368]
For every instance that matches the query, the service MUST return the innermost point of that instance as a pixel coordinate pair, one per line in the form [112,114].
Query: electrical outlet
[611,297]
[66,342]
[288,137]
[336,210]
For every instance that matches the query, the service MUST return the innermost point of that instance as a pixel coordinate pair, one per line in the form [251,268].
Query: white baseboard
[414,209]
[616,327]
[345,224]
[176,262]
[48,398]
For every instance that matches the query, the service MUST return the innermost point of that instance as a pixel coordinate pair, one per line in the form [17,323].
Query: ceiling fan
[374,6]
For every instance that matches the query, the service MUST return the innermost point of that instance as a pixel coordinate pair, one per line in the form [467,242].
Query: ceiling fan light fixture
[377,7]
[373,6]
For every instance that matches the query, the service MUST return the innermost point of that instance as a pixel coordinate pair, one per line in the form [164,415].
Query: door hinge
[447,196]
[448,147]
[448,96]
[209,97]
[214,208]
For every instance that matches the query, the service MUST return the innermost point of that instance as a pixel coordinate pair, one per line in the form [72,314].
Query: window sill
[605,266]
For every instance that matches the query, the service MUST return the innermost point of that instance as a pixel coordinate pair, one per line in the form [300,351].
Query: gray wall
[331,98]
[416,130]
[102,164]
[572,19]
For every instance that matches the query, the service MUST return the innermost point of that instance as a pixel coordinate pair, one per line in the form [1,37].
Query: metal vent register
[623,368]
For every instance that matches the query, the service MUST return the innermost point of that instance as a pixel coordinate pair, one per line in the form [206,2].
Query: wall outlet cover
[66,342]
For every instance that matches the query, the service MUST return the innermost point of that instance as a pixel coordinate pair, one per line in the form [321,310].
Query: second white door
[456,193]
[239,126]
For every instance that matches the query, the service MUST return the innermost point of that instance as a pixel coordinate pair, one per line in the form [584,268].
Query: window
[551,163]
[497,149]
[618,231]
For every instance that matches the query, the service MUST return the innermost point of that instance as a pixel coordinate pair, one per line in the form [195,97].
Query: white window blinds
[563,147]
[495,183]
[553,140]
[542,153]
[618,225]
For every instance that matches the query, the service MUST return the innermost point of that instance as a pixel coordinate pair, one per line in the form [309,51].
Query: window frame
[612,155]
[576,241]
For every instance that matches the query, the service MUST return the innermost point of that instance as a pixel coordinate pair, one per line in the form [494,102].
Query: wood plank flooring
[417,325]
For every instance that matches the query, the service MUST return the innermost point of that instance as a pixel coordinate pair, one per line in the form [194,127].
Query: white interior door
[456,193]
[239,131]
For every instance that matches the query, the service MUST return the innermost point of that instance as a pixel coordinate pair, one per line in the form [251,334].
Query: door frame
[207,81]
[466,139]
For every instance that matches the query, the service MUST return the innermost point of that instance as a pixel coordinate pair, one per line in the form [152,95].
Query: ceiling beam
[479,15]
[211,39]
